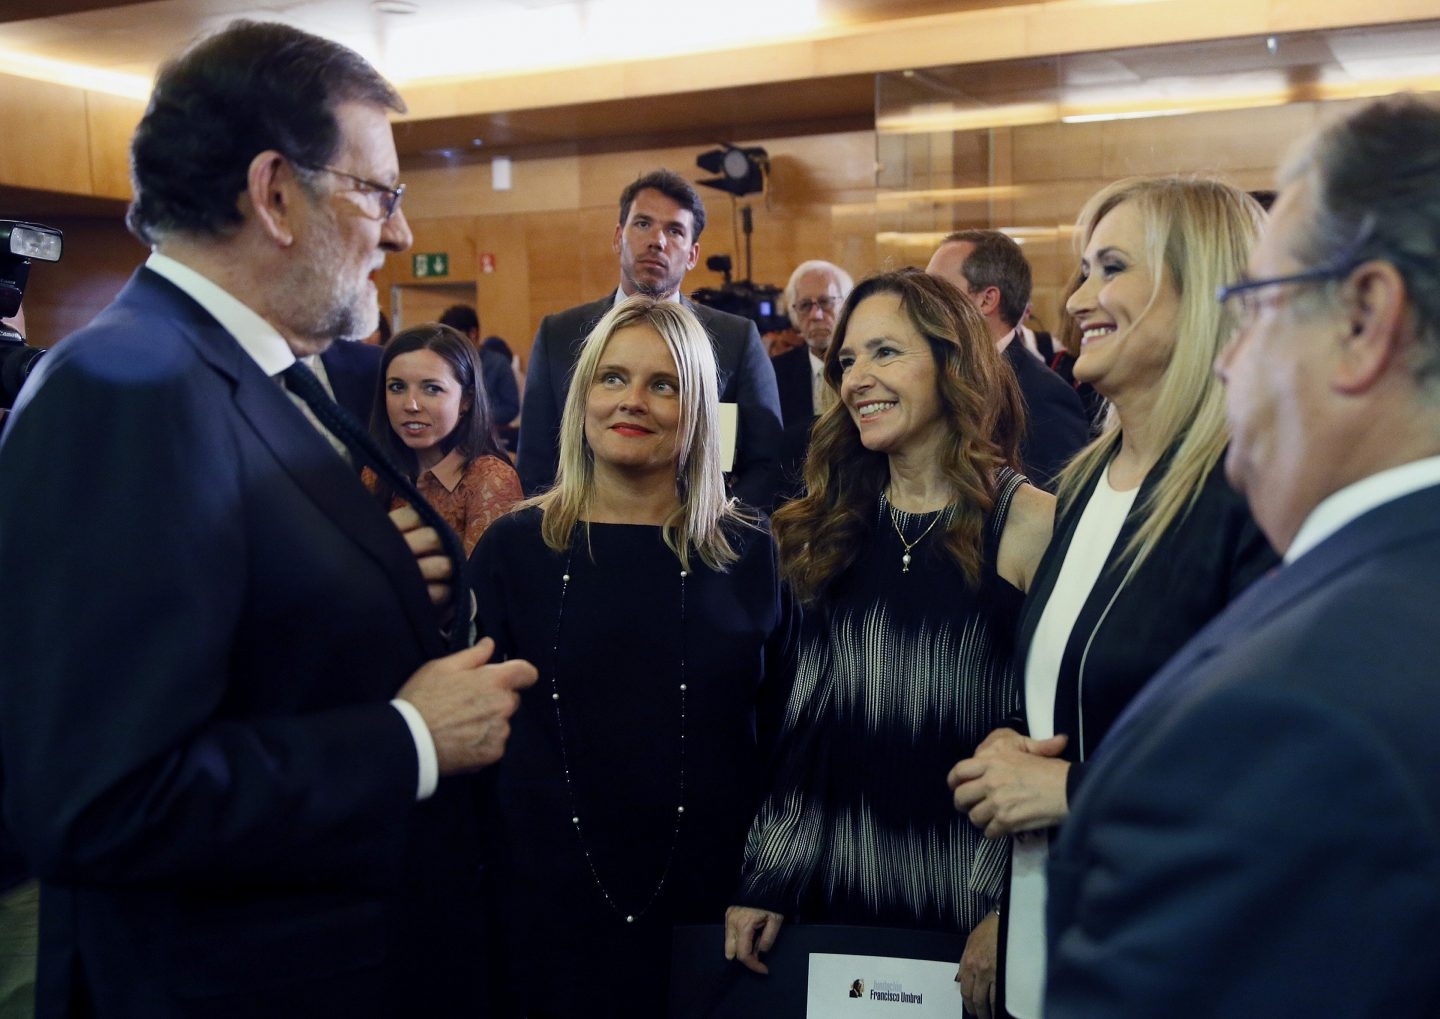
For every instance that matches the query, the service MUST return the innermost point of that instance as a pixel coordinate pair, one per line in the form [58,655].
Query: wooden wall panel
[414,303]
[111,121]
[466,188]
[551,235]
[46,140]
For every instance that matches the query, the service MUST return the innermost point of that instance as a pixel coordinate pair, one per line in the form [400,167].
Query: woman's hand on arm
[976,975]
[742,924]
[1013,783]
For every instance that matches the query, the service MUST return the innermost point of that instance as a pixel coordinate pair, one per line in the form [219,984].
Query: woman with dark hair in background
[431,416]
[1150,541]
[910,551]
[646,597]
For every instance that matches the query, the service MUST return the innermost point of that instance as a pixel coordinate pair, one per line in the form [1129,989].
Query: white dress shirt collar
[1341,507]
[258,338]
[620,295]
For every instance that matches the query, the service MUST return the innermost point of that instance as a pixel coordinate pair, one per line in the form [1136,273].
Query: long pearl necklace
[905,558]
[629,917]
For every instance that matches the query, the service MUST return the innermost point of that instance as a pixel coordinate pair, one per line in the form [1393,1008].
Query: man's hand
[467,704]
[976,975]
[742,923]
[428,552]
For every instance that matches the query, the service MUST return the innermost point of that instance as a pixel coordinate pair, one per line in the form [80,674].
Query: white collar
[258,338]
[620,295]
[1339,508]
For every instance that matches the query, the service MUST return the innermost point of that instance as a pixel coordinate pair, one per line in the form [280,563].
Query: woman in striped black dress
[910,554]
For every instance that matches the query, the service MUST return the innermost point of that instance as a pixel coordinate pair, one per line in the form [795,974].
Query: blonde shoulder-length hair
[700,519]
[1199,231]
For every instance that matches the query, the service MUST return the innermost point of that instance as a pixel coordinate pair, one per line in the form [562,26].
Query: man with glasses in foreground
[227,723]
[1260,833]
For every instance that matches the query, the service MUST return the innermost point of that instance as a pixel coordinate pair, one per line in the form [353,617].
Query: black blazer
[1258,836]
[354,372]
[1056,427]
[746,379]
[797,403]
[206,616]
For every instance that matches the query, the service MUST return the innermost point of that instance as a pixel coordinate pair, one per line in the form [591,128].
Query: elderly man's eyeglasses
[389,196]
[1245,299]
[825,304]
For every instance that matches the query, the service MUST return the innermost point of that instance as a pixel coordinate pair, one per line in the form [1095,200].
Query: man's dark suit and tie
[226,724]
[1260,833]
[657,241]
[990,269]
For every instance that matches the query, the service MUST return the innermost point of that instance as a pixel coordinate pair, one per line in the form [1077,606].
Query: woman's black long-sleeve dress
[635,747]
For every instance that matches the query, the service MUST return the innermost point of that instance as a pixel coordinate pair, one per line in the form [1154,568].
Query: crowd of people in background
[901,628]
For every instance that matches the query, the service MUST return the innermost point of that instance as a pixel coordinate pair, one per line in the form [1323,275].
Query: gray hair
[1374,176]
[842,279]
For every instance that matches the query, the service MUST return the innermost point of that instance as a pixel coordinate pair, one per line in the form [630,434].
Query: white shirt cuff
[424,748]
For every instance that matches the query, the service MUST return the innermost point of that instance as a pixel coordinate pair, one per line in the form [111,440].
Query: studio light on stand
[20,244]
[743,171]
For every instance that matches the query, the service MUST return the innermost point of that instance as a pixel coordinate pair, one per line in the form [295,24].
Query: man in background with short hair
[990,269]
[657,240]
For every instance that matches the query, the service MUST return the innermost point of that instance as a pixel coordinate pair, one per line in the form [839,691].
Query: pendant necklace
[905,558]
[627,916]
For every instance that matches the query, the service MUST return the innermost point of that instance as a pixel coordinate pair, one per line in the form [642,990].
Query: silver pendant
[905,559]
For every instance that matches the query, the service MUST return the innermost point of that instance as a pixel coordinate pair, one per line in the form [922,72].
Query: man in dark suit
[657,240]
[226,727]
[1260,833]
[351,371]
[990,269]
[813,299]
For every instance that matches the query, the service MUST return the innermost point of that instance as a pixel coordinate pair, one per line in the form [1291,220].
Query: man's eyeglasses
[1244,300]
[389,197]
[825,304]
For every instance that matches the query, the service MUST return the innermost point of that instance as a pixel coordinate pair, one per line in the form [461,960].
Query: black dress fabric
[569,952]
[899,675]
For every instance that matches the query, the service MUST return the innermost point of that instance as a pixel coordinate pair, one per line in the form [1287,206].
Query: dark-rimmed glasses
[389,196]
[826,304]
[1244,301]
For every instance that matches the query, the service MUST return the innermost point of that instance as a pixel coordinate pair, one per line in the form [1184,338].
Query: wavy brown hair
[820,534]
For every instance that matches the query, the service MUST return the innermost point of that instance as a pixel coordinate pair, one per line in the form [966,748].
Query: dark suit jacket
[354,372]
[1260,835]
[205,617]
[746,379]
[1055,427]
[797,412]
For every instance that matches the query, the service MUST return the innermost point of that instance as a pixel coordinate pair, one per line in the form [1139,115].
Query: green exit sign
[434,264]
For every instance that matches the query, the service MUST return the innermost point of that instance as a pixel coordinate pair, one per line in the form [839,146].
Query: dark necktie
[302,382]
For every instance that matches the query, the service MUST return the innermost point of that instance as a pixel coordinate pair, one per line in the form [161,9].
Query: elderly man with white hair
[813,298]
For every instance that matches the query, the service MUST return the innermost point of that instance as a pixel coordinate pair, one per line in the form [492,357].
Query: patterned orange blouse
[469,498]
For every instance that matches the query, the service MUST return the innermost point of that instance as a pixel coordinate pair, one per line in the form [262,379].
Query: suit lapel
[302,452]
[1396,523]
